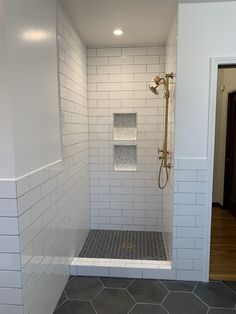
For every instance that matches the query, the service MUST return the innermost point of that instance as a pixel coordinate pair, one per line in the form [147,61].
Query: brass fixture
[163,153]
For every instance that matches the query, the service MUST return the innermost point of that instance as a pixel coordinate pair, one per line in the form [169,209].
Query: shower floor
[113,244]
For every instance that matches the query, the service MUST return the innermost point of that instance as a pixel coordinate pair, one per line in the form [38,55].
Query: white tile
[9,244]
[121,60]
[146,60]
[127,272]
[114,52]
[22,185]
[8,226]
[11,309]
[10,279]
[9,261]
[97,61]
[28,200]
[8,207]
[200,163]
[7,189]
[134,51]
[93,271]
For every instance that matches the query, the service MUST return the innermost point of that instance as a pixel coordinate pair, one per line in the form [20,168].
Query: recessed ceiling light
[118,32]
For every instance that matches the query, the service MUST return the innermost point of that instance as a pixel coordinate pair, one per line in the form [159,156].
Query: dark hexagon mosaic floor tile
[75,307]
[109,282]
[113,301]
[148,291]
[184,303]
[216,294]
[62,299]
[231,285]
[221,311]
[83,288]
[142,245]
[175,285]
[147,309]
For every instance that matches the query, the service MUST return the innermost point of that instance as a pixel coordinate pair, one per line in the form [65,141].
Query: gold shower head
[153,89]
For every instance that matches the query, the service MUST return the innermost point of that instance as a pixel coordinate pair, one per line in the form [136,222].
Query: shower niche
[125,158]
[125,130]
[125,126]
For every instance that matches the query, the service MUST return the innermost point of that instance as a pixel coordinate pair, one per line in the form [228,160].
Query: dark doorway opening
[230,157]
[223,230]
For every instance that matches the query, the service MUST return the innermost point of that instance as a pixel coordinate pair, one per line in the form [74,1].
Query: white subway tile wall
[118,83]
[44,217]
[190,209]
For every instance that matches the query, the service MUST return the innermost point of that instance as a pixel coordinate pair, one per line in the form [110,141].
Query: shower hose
[160,185]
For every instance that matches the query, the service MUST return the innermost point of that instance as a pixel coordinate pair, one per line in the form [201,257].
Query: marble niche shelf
[125,126]
[125,158]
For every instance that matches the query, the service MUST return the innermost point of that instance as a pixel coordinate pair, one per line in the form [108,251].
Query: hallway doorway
[223,228]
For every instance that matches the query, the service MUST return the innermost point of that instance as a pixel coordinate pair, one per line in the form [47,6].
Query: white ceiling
[144,22]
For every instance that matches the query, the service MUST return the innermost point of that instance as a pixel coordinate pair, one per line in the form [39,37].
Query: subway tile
[10,279]
[200,163]
[155,51]
[111,69]
[109,52]
[9,261]
[8,207]
[146,60]
[22,185]
[134,51]
[98,61]
[134,68]
[9,244]
[8,226]
[28,200]
[11,309]
[121,60]
[7,189]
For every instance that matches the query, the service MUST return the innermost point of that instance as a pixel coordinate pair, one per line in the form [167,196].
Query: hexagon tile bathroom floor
[97,295]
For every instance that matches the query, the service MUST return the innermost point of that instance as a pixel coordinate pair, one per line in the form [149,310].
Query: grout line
[168,293]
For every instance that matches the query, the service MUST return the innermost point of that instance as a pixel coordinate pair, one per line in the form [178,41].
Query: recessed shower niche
[125,158]
[125,126]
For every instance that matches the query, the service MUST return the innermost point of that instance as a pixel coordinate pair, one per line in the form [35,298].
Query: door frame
[214,64]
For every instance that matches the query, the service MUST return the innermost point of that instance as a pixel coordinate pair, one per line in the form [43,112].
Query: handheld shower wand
[163,153]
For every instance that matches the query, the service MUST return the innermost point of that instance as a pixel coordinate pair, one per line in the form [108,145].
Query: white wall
[32,84]
[226,78]
[205,30]
[118,83]
[7,162]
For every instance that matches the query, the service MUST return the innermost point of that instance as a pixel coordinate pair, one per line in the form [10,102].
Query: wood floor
[223,245]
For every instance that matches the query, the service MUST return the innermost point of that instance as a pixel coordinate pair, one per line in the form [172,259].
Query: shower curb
[122,268]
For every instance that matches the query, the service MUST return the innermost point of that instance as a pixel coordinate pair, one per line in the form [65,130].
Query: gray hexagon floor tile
[216,294]
[184,303]
[115,301]
[83,288]
[221,311]
[177,285]
[231,285]
[62,299]
[148,291]
[75,307]
[147,309]
[109,282]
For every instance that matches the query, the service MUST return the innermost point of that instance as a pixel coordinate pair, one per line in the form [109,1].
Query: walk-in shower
[131,218]
[164,152]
